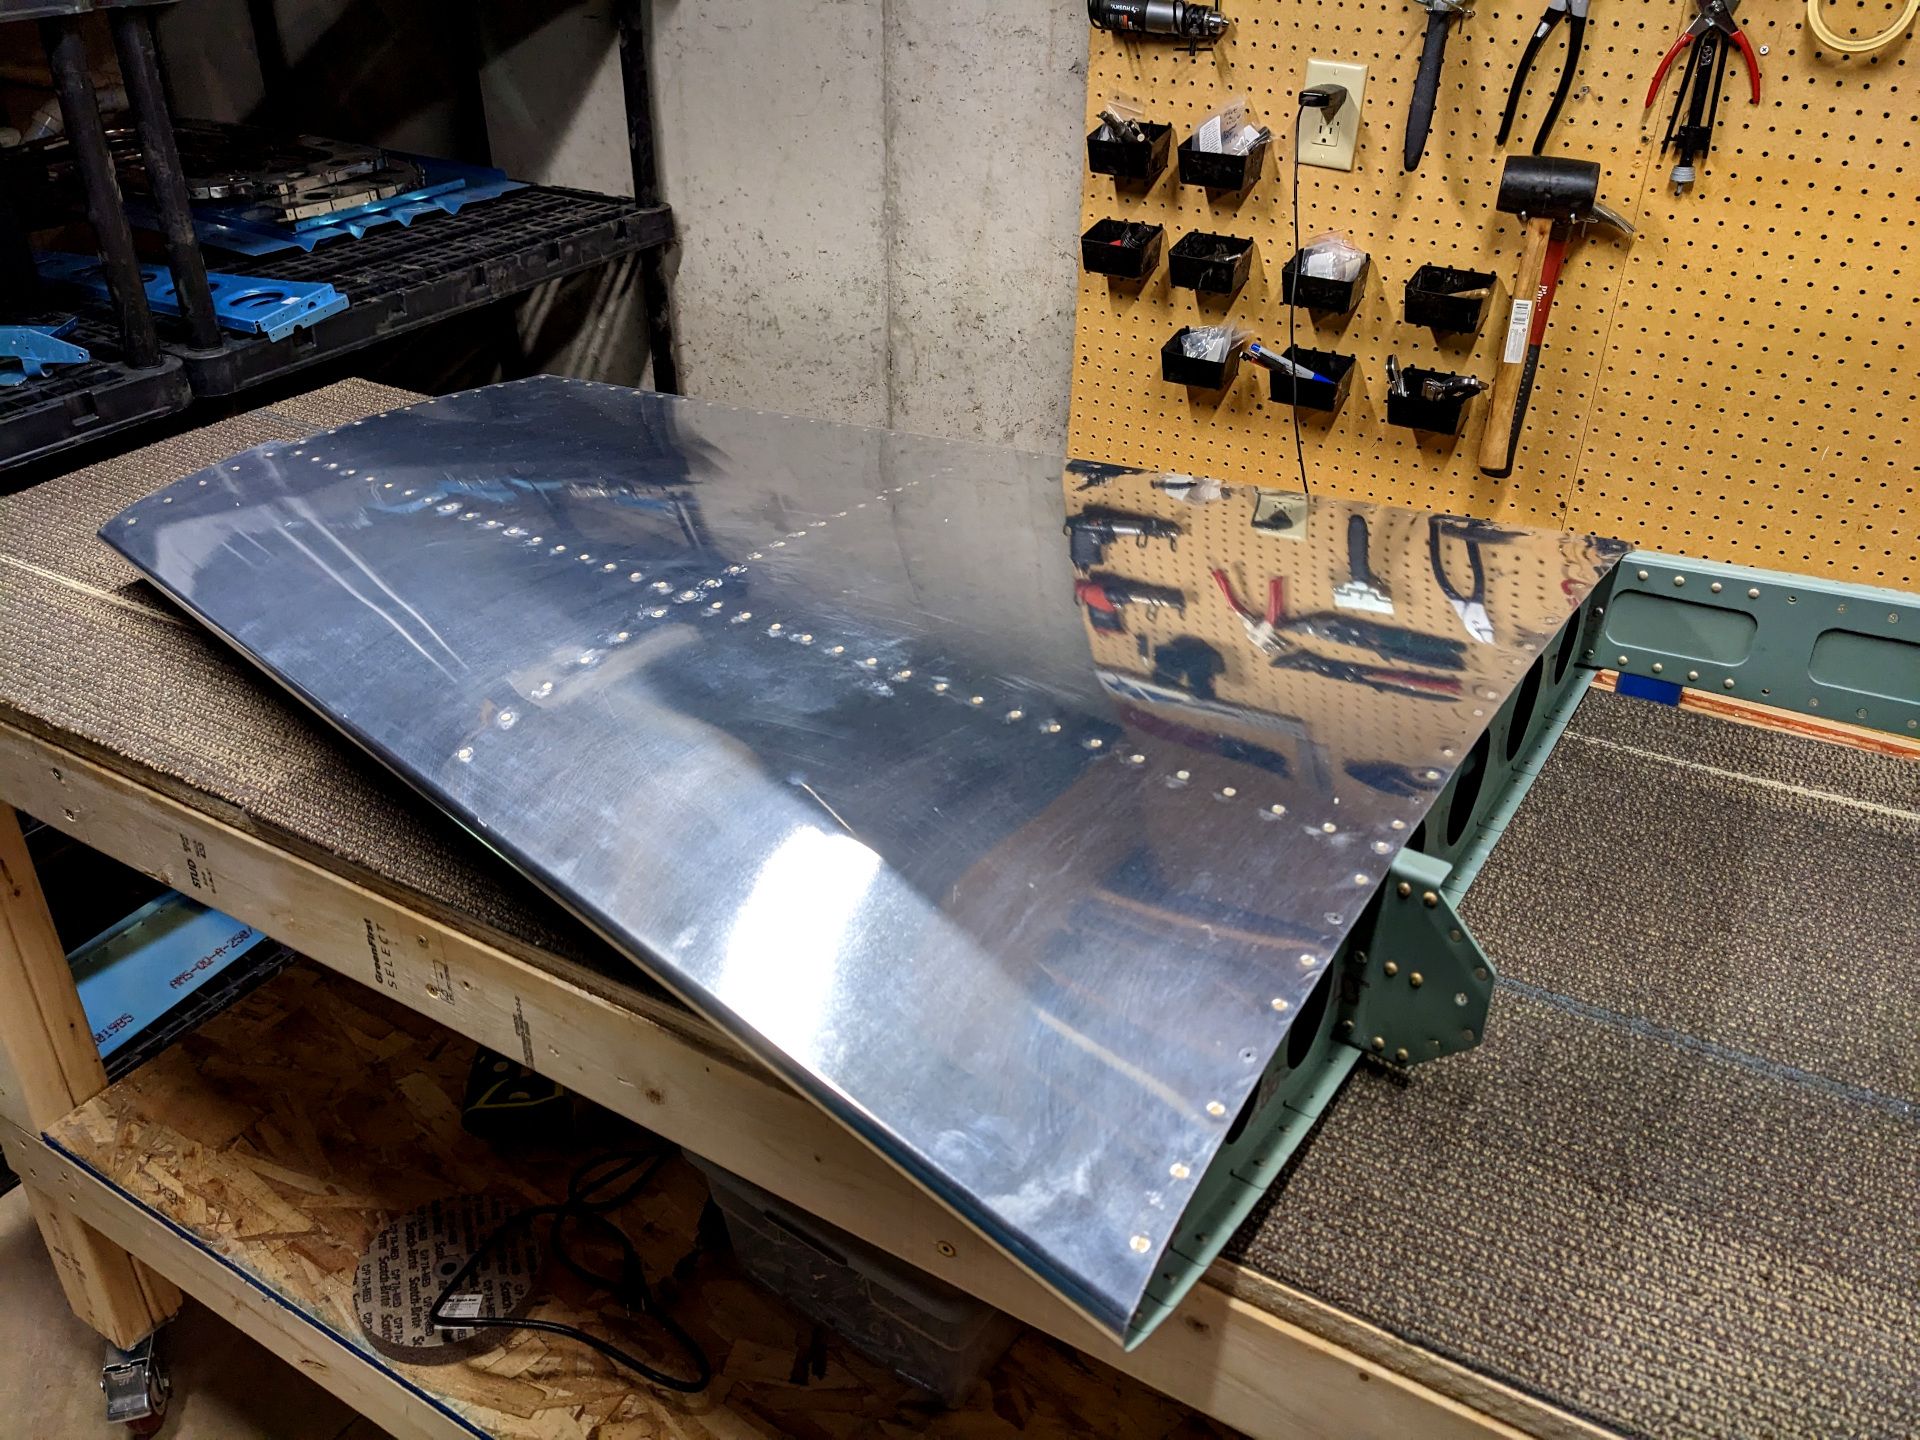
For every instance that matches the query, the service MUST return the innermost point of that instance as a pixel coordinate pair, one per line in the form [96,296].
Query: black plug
[1330,98]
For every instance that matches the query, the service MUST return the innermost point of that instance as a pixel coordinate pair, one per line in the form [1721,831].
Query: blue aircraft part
[450,188]
[27,350]
[250,304]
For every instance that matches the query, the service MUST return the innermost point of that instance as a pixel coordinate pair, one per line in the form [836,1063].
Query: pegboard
[1734,383]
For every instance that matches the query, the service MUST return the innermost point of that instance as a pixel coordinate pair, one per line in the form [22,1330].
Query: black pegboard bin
[1210,264]
[1220,172]
[398,278]
[1314,292]
[1432,301]
[1435,417]
[1179,368]
[1326,396]
[1121,249]
[1139,160]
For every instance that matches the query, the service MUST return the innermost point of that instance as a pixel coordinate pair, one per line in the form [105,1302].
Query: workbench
[1671,1194]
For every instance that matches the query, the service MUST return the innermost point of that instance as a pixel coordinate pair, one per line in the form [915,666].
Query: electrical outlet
[1329,140]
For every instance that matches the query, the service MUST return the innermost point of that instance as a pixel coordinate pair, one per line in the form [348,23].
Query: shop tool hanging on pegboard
[1712,34]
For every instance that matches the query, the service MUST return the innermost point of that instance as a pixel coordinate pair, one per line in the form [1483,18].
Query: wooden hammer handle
[1513,383]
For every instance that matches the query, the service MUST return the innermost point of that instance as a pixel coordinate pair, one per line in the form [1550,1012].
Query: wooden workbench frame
[1238,1350]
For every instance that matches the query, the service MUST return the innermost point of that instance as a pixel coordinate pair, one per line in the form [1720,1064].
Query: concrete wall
[876,199]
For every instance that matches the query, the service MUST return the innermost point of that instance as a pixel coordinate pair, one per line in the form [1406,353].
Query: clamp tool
[1699,95]
[1426,84]
[1574,12]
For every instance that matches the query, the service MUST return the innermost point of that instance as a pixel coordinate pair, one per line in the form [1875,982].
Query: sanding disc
[411,1261]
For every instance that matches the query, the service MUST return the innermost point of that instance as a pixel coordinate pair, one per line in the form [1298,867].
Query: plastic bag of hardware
[1120,119]
[1212,342]
[1330,257]
[1226,131]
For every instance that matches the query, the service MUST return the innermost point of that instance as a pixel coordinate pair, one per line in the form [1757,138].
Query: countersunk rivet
[775,628]
[1016,714]
[1429,899]
[1140,1244]
[1280,1004]
[505,719]
[1178,1170]
[1416,979]
[1094,742]
[1679,579]
[1643,574]
[1753,592]
[1379,1042]
[1727,684]
[940,687]
[463,754]
[756,555]
[1308,961]
[836,650]
[1360,877]
[805,637]
[1050,727]
[903,675]
[1435,774]
[1276,809]
[1327,827]
[1658,667]
[620,637]
[661,587]
[1715,587]
[543,689]
[1227,792]
[1403,889]
[1401,1055]
[871,661]
[1397,824]
[1216,1109]
[608,568]
[1693,674]
[976,700]
[1183,774]
[1392,967]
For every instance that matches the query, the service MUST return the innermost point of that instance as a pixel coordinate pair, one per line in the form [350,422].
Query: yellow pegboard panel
[1732,384]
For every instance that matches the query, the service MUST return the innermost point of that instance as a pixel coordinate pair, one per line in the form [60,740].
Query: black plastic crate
[1218,170]
[1179,368]
[1125,249]
[72,404]
[1440,417]
[1313,292]
[1327,395]
[1434,299]
[1137,160]
[1211,264]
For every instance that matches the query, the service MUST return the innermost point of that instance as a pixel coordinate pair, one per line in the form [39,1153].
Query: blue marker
[1260,355]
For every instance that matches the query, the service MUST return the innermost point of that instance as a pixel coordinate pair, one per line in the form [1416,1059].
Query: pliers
[1262,630]
[1575,14]
[1714,15]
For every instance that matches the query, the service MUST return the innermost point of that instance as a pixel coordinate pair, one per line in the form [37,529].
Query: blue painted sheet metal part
[250,304]
[809,721]
[132,974]
[27,350]
[450,188]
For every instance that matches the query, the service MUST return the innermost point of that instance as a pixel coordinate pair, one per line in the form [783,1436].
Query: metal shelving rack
[397,278]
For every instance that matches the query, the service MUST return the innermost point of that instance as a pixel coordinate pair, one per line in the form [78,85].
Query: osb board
[1735,383]
[286,1132]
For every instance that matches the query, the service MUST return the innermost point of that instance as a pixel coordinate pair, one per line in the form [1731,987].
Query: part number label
[1518,323]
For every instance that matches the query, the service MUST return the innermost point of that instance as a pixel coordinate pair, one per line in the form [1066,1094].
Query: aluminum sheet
[811,722]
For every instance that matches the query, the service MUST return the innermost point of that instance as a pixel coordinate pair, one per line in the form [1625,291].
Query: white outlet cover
[1344,131]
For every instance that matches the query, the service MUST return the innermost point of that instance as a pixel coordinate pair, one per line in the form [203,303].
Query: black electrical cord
[587,1204]
[1293,310]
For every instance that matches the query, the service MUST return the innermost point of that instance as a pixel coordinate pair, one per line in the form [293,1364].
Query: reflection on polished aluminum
[838,735]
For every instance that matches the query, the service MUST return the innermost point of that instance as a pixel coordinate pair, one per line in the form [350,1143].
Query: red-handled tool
[1698,97]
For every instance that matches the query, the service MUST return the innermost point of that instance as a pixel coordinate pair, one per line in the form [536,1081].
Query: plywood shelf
[282,1136]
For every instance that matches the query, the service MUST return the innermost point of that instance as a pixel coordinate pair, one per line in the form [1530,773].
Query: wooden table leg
[48,1065]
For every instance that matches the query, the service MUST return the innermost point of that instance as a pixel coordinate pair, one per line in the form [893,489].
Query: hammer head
[1546,187]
